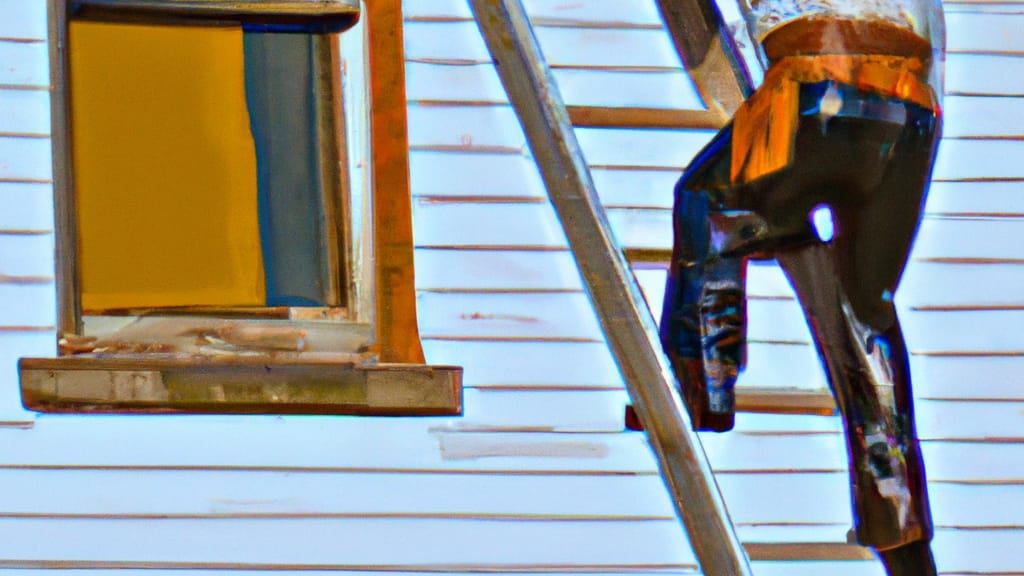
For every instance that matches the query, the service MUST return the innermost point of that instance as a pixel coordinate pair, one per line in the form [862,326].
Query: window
[213,254]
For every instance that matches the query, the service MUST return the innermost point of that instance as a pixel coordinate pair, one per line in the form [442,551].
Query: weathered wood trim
[333,162]
[397,331]
[239,386]
[319,16]
[299,150]
[279,340]
[69,310]
[329,125]
[250,312]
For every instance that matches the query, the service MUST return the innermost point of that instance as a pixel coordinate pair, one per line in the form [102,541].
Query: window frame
[381,374]
[313,17]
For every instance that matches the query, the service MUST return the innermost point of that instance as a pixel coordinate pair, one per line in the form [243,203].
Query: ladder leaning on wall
[699,35]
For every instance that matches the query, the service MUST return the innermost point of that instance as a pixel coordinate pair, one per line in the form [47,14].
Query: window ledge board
[240,386]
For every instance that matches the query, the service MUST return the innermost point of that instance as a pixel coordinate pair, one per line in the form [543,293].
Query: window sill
[240,385]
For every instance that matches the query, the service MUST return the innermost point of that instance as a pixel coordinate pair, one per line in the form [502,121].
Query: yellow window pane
[165,167]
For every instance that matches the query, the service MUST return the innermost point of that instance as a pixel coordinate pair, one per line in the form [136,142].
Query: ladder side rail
[626,321]
[709,52]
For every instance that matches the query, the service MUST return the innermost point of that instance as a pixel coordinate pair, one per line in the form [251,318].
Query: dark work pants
[867,159]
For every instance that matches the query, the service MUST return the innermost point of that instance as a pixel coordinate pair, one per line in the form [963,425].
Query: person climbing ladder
[825,167]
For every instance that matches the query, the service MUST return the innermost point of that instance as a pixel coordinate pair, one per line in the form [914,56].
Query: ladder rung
[619,117]
[753,399]
[783,401]
[806,551]
[636,256]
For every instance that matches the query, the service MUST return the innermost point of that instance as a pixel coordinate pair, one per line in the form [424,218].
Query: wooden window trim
[381,374]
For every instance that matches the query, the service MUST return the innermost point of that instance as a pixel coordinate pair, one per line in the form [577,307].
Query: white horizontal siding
[24,64]
[592,11]
[954,431]
[511,270]
[635,188]
[331,542]
[641,148]
[478,82]
[651,188]
[227,493]
[566,316]
[24,112]
[975,198]
[27,292]
[656,88]
[27,206]
[563,47]
[535,224]
[15,345]
[36,305]
[174,569]
[537,475]
[447,445]
[23,19]
[24,158]
[91,493]
[480,175]
[984,33]
[471,82]
[468,225]
[27,254]
[608,66]
[969,378]
[806,498]
[984,75]
[528,364]
[464,126]
[982,117]
[495,270]
[366,543]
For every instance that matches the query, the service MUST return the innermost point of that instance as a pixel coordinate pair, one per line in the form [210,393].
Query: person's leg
[867,371]
[871,172]
[703,317]
[846,289]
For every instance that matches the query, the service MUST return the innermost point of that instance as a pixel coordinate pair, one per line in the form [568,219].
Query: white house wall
[27,294]
[538,476]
